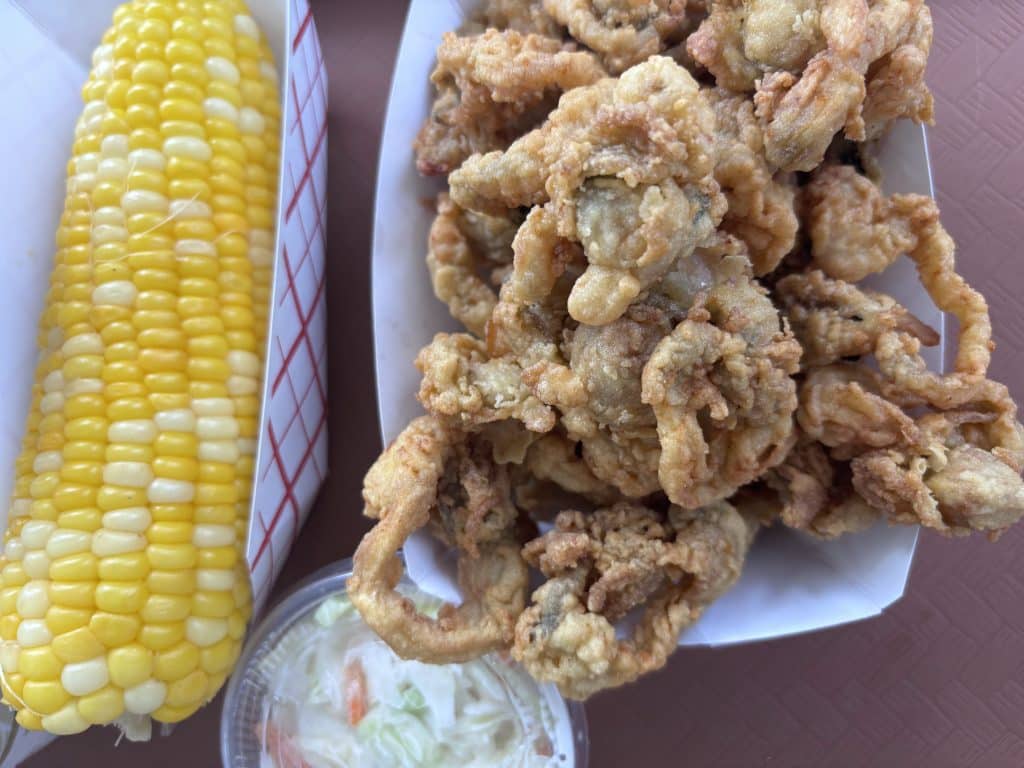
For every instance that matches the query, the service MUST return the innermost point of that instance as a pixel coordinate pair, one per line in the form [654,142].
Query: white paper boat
[45,51]
[792,583]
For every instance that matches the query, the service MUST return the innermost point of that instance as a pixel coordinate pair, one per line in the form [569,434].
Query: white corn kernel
[36,564]
[33,632]
[243,362]
[109,215]
[115,145]
[66,721]
[14,550]
[239,386]
[82,344]
[132,431]
[103,52]
[251,122]
[188,147]
[224,451]
[220,68]
[163,490]
[260,256]
[128,519]
[210,535]
[68,542]
[216,428]
[215,579]
[205,632]
[51,402]
[190,209]
[105,233]
[106,543]
[268,71]
[35,533]
[113,169]
[246,25]
[9,653]
[195,248]
[121,293]
[176,420]
[48,461]
[214,406]
[143,201]
[85,677]
[130,474]
[54,382]
[145,698]
[83,387]
[33,600]
[148,159]
[20,508]
[222,109]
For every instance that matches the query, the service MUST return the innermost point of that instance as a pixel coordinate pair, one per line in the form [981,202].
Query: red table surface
[937,681]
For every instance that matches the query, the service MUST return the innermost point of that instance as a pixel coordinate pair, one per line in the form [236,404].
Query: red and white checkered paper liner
[292,458]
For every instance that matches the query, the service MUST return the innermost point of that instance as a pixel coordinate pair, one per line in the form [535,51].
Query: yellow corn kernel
[44,696]
[77,645]
[102,707]
[114,630]
[130,665]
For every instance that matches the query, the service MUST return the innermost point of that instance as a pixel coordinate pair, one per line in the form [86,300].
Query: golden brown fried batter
[524,16]
[462,383]
[602,565]
[622,32]
[492,88]
[401,493]
[721,388]
[761,204]
[462,246]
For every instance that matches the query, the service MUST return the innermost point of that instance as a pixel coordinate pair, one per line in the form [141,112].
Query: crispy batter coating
[623,32]
[523,16]
[492,88]
[818,67]
[554,458]
[463,383]
[855,230]
[721,387]
[834,320]
[761,203]
[401,492]
[462,246]
[602,565]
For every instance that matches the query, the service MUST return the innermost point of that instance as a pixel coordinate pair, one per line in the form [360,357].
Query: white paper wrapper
[792,583]
[45,52]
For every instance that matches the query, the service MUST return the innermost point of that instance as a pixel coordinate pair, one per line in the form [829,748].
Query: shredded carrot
[281,748]
[355,692]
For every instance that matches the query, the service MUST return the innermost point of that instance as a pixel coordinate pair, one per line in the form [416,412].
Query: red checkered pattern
[293,444]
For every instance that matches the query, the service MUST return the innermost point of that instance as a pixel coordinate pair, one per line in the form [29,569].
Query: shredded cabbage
[342,698]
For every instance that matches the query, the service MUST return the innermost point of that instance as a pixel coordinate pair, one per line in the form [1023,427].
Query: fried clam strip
[603,565]
[623,167]
[855,230]
[966,478]
[833,319]
[721,389]
[760,203]
[461,247]
[622,32]
[461,382]
[403,490]
[818,67]
[812,492]
[492,88]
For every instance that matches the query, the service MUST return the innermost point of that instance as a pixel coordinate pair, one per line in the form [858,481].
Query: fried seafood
[463,245]
[817,67]
[520,15]
[623,167]
[856,231]
[463,383]
[602,565]
[622,32]
[430,472]
[721,389]
[760,202]
[492,88]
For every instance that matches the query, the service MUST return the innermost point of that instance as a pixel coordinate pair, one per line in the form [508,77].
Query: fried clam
[491,89]
[463,247]
[834,320]
[523,16]
[463,383]
[433,472]
[622,32]
[855,230]
[623,167]
[760,202]
[722,390]
[603,565]
[554,476]
[818,67]
[964,478]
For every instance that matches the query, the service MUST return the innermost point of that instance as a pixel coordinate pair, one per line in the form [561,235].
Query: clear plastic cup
[245,702]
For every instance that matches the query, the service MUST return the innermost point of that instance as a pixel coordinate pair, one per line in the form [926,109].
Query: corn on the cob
[123,586]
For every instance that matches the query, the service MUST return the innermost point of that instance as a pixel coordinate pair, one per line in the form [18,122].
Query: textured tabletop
[937,681]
